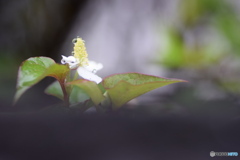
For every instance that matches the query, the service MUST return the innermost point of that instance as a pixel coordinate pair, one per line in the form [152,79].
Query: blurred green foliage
[205,38]
[177,54]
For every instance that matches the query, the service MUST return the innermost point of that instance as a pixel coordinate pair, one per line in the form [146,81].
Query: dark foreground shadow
[113,137]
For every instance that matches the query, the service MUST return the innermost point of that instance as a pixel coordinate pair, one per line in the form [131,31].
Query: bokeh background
[198,41]
[194,40]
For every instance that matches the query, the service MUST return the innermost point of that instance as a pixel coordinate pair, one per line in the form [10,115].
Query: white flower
[85,71]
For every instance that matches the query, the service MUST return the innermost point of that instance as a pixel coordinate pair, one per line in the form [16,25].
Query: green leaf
[91,88]
[55,89]
[78,95]
[123,87]
[35,69]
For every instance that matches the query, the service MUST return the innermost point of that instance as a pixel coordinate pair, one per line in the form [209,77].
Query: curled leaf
[34,70]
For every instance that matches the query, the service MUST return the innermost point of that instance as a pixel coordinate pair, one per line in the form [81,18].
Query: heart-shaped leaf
[91,88]
[123,87]
[35,69]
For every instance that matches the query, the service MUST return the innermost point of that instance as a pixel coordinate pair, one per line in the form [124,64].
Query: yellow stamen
[80,52]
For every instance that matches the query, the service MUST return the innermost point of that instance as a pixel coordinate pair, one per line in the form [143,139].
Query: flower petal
[72,61]
[95,65]
[86,74]
[64,59]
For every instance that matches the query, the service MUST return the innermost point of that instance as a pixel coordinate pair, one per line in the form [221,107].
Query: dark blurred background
[194,40]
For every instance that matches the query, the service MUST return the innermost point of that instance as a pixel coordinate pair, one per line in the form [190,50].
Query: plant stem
[65,94]
[75,76]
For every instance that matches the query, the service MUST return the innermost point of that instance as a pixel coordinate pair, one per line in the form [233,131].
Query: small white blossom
[86,71]
[85,68]
[72,61]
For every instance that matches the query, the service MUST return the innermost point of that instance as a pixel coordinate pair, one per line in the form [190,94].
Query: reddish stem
[65,94]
